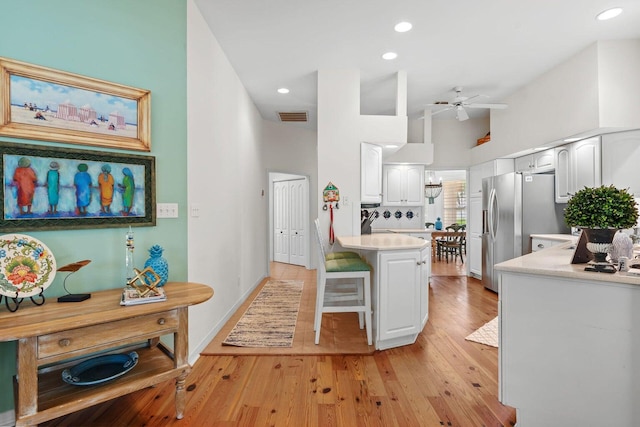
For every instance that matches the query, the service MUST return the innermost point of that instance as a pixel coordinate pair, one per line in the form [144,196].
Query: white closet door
[281,221]
[297,222]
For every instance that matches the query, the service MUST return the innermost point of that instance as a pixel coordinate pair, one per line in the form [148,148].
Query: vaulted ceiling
[489,47]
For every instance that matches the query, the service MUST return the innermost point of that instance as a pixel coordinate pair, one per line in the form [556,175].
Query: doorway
[289,201]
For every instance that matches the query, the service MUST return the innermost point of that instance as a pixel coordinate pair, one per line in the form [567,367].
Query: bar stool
[333,255]
[337,292]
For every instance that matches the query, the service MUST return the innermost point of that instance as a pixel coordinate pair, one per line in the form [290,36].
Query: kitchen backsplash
[395,217]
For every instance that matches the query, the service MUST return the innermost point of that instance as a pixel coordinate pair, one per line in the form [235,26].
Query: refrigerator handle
[485,228]
[492,220]
[495,215]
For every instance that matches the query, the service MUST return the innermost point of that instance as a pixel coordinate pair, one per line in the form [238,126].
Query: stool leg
[367,303]
[319,304]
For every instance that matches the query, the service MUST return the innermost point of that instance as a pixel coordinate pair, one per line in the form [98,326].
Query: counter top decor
[601,212]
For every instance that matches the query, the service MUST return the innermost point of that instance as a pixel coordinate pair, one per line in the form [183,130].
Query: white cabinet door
[621,159]
[425,278]
[524,163]
[563,174]
[587,163]
[476,174]
[399,294]
[543,161]
[474,235]
[474,255]
[403,185]
[484,170]
[392,194]
[577,166]
[415,185]
[371,173]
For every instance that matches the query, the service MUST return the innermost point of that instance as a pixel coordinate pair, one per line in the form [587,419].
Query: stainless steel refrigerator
[514,206]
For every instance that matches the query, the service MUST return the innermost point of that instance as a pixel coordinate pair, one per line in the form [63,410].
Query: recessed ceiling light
[283,90]
[609,13]
[389,56]
[403,27]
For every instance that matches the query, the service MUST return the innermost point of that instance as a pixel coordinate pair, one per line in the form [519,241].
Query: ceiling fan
[459,104]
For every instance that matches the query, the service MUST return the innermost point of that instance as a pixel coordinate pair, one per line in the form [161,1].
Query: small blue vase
[158,264]
[438,224]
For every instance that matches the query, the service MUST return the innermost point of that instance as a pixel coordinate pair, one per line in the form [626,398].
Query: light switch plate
[167,210]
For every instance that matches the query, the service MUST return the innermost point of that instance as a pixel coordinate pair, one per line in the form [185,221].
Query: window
[455,202]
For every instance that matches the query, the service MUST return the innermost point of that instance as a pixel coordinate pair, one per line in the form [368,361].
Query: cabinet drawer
[540,244]
[98,335]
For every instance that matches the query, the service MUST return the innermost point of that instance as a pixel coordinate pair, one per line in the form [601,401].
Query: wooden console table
[57,335]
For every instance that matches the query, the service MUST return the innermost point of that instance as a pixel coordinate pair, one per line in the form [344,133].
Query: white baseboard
[195,355]
[7,419]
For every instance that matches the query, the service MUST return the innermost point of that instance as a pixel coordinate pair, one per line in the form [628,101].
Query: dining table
[441,234]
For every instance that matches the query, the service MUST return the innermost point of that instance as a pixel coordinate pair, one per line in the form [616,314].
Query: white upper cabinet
[403,185]
[578,165]
[542,161]
[484,170]
[370,173]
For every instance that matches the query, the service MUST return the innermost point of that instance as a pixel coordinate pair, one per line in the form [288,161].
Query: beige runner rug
[270,320]
[487,334]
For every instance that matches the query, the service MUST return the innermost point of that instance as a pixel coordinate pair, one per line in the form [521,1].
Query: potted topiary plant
[601,212]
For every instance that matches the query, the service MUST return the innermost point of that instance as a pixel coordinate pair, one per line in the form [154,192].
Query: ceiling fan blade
[461,114]
[493,106]
[440,111]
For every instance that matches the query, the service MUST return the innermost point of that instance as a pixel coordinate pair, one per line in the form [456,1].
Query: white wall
[453,140]
[226,175]
[289,149]
[619,80]
[595,90]
[339,146]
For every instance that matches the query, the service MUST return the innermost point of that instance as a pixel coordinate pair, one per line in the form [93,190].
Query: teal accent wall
[138,43]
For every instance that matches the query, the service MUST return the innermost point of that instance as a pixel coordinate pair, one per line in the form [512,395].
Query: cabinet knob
[161,321]
[540,245]
[65,342]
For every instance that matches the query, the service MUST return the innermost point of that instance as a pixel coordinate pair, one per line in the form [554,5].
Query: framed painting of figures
[50,105]
[50,188]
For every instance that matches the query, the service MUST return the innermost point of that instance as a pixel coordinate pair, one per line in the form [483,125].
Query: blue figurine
[158,264]
[438,224]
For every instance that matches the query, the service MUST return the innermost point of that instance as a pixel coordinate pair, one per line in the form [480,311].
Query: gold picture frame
[44,104]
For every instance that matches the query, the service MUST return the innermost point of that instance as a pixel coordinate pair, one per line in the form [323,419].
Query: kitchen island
[569,350]
[400,284]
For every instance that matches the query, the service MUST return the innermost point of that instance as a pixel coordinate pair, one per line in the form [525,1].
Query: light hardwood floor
[441,380]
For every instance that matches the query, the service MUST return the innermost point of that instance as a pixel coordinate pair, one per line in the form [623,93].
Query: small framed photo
[52,188]
[51,105]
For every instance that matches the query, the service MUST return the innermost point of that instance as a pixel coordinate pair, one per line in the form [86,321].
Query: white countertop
[382,242]
[561,237]
[556,261]
[402,230]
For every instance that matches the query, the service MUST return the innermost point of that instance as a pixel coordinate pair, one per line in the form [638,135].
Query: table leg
[181,348]
[27,403]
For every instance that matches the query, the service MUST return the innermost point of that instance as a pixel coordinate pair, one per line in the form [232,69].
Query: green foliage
[601,207]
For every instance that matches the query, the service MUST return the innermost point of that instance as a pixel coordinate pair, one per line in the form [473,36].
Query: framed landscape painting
[53,188]
[45,104]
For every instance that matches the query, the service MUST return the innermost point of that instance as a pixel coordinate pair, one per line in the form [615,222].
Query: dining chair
[343,286]
[453,246]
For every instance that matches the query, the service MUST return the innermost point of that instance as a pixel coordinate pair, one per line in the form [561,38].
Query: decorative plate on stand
[27,266]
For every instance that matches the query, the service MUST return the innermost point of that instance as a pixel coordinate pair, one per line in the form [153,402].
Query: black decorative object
[398,214]
[100,369]
[387,214]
